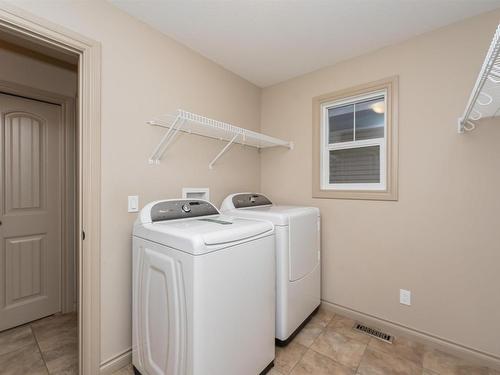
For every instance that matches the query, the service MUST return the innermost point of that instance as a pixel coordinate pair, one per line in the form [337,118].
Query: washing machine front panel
[162,331]
[232,288]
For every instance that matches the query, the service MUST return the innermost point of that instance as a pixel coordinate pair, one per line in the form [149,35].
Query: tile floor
[328,346]
[45,346]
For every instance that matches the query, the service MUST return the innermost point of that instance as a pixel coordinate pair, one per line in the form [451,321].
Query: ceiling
[269,41]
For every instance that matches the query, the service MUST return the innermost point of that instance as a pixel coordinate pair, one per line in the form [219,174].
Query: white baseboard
[473,355]
[117,362]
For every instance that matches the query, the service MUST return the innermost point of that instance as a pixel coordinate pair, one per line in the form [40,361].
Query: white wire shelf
[484,100]
[192,123]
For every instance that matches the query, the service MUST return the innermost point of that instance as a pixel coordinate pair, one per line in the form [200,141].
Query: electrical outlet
[133,203]
[404,297]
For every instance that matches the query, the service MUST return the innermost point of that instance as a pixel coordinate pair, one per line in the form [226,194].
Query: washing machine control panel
[181,209]
[250,200]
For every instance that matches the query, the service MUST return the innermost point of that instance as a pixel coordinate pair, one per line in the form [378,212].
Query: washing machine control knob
[186,208]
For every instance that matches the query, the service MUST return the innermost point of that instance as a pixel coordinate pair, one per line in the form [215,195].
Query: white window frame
[326,147]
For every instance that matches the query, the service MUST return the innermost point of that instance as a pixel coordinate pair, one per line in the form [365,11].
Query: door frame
[66,171]
[28,26]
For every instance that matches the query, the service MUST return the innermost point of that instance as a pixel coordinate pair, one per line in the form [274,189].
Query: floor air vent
[373,332]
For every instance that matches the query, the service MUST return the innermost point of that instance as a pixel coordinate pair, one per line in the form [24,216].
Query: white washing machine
[297,231]
[203,291]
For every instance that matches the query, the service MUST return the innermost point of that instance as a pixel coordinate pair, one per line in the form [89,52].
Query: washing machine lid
[195,226]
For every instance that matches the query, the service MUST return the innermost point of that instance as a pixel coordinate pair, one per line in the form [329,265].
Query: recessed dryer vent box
[196,193]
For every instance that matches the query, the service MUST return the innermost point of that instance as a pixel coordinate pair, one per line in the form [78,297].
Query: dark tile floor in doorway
[45,346]
[328,346]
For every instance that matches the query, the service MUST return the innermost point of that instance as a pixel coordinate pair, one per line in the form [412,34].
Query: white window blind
[355,165]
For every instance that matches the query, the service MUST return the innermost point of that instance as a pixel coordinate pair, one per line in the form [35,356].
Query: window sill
[356,195]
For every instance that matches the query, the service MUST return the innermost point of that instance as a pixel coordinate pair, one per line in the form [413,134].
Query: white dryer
[297,257]
[203,291]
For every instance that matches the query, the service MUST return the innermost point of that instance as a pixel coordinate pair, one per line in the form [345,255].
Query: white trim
[326,147]
[116,363]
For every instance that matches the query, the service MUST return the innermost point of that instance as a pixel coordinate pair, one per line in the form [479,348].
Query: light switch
[133,203]
[404,297]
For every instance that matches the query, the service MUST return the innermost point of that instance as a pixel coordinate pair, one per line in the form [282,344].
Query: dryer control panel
[250,200]
[181,209]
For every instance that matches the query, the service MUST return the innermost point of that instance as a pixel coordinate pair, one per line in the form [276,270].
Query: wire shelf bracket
[187,122]
[481,104]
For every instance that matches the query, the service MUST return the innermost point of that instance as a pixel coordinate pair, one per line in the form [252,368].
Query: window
[355,143]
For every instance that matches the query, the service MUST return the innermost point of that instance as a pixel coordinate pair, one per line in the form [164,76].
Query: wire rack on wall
[484,100]
[192,123]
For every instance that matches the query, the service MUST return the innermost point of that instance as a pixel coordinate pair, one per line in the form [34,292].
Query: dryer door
[304,244]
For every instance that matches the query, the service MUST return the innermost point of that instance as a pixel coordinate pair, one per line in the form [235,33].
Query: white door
[30,210]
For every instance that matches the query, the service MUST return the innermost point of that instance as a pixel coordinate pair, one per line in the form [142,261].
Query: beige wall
[441,239]
[145,74]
